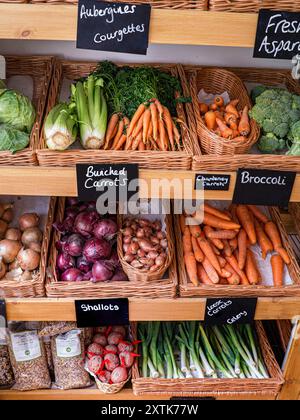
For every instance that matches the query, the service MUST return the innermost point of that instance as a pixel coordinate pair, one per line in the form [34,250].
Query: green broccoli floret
[295,131]
[258,90]
[269,143]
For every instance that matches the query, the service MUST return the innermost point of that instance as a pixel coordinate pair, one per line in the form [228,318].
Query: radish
[125,346]
[100,339]
[111,361]
[104,376]
[114,338]
[126,359]
[94,349]
[111,348]
[119,329]
[94,364]
[118,375]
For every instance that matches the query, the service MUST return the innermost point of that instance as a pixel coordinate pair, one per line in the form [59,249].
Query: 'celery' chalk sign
[117,27]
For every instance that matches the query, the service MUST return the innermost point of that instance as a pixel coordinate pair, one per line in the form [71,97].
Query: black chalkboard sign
[277,35]
[230,311]
[212,182]
[119,182]
[98,312]
[117,27]
[263,187]
[3,320]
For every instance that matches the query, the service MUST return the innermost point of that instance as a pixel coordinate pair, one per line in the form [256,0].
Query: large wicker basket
[241,6]
[146,159]
[216,81]
[36,286]
[39,69]
[164,288]
[187,289]
[157,4]
[214,387]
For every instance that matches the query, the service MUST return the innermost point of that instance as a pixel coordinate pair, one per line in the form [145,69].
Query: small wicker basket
[242,6]
[111,388]
[216,81]
[156,4]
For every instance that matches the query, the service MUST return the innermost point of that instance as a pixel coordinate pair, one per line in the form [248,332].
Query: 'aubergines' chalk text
[269,180]
[108,11]
[282,26]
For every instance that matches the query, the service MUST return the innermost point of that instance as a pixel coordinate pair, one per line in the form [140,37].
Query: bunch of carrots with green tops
[225,120]
[218,251]
[151,128]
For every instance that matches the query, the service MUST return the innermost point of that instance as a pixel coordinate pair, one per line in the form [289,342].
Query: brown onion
[136,264]
[160,260]
[147,262]
[3,228]
[146,245]
[134,226]
[127,231]
[153,268]
[140,233]
[147,232]
[164,243]
[28,259]
[35,246]
[26,276]
[129,258]
[127,239]
[3,268]
[33,234]
[133,248]
[14,265]
[8,215]
[157,225]
[3,208]
[141,253]
[152,254]
[125,247]
[154,240]
[143,222]
[9,250]
[160,234]
[13,234]
[28,220]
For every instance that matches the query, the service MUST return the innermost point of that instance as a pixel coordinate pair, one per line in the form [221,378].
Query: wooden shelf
[181,309]
[52,181]
[188,27]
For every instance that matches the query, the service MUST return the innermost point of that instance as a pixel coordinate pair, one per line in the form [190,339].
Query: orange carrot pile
[225,120]
[218,250]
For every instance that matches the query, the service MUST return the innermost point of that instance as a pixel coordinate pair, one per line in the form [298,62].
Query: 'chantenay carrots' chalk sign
[278,35]
[118,27]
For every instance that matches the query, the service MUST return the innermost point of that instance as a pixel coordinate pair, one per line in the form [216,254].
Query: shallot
[104,376]
[119,375]
[100,339]
[33,234]
[29,220]
[126,359]
[9,250]
[94,349]
[13,234]
[94,364]
[111,361]
[114,338]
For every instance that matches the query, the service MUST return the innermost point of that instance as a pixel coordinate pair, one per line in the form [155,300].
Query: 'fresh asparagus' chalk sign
[278,35]
[118,27]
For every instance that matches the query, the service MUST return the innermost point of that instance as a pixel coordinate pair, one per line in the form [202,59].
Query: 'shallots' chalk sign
[263,187]
[230,311]
[278,34]
[98,312]
[118,27]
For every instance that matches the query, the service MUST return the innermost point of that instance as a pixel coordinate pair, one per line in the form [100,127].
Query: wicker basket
[137,275]
[111,388]
[36,286]
[156,4]
[164,288]
[38,68]
[285,330]
[213,387]
[146,159]
[249,6]
[216,81]
[187,289]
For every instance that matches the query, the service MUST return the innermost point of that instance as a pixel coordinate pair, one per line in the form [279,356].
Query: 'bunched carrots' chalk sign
[278,35]
[118,27]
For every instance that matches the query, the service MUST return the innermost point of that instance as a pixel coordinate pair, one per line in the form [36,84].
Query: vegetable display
[87,249]
[277,111]
[190,350]
[221,250]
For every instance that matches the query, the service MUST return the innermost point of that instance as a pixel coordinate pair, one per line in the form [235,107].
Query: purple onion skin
[102,271]
[106,228]
[91,205]
[65,261]
[71,212]
[83,265]
[119,275]
[74,245]
[72,274]
[61,243]
[96,249]
[72,201]
[114,258]
[88,276]
[82,207]
[84,223]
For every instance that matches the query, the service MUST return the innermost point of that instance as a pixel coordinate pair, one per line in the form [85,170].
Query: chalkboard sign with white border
[277,35]
[212,182]
[98,312]
[230,311]
[117,27]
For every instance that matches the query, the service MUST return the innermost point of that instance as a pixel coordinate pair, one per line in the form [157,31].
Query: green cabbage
[12,139]
[16,110]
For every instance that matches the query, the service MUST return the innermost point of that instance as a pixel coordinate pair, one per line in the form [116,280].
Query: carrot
[176,135]
[202,275]
[210,271]
[258,214]
[219,101]
[273,233]
[182,223]
[222,261]
[162,136]
[136,141]
[142,146]
[233,213]
[242,248]
[168,121]
[187,241]
[233,243]
[153,144]
[209,253]
[121,142]
[119,134]
[159,108]
[154,119]
[234,278]
[218,223]
[228,117]
[223,281]
[246,221]
[197,251]
[217,243]
[150,131]
[264,242]
[231,109]
[146,123]
[225,131]
[213,107]
[235,132]
[222,234]
[252,272]
[219,115]
[214,248]
[139,126]
[195,231]
[234,102]
[227,249]
[240,138]
[225,274]
[114,119]
[191,267]
[210,120]
[277,264]
[203,108]
[136,117]
[234,264]
[244,125]
[215,212]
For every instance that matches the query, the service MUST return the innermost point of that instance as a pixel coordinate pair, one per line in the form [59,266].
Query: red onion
[114,258]
[84,223]
[111,361]
[72,274]
[96,249]
[65,261]
[60,244]
[119,375]
[119,275]
[102,271]
[72,201]
[88,276]
[83,265]
[91,205]
[71,212]
[74,245]
[66,226]
[106,228]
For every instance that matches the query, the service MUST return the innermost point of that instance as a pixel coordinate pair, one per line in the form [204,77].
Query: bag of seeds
[48,351]
[68,360]
[56,327]
[6,373]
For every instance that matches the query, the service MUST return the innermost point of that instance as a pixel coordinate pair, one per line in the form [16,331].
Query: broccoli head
[269,143]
